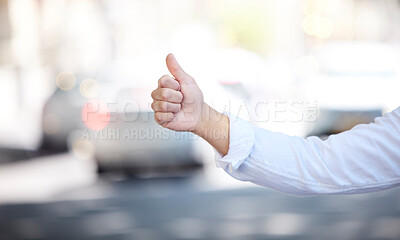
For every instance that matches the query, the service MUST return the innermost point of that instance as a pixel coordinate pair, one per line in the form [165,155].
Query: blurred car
[143,146]
[127,140]
[332,121]
[356,83]
[356,76]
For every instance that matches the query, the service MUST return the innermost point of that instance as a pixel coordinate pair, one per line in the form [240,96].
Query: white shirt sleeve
[363,159]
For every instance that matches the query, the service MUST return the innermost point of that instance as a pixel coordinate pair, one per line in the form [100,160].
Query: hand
[179,105]
[178,102]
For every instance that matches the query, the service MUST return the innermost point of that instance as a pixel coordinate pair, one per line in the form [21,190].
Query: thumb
[175,69]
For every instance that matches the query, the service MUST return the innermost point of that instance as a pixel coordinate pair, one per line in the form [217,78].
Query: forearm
[214,128]
[364,159]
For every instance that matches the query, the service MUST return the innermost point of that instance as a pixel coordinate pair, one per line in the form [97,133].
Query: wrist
[204,119]
[214,128]
[212,123]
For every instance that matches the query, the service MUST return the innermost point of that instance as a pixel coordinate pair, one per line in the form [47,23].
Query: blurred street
[191,207]
[81,156]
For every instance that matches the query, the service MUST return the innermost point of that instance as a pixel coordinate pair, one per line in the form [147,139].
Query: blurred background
[80,154]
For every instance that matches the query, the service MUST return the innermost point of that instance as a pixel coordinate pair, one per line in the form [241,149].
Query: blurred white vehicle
[355,84]
[116,132]
[356,76]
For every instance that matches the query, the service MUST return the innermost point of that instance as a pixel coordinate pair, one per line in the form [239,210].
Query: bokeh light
[318,26]
[65,80]
[83,149]
[89,88]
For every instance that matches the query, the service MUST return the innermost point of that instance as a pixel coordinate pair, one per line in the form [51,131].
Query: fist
[178,101]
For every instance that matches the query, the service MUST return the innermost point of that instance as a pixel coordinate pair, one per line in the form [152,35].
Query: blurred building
[286,48]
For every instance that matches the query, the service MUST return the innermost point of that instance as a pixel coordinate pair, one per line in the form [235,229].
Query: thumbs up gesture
[178,101]
[179,105]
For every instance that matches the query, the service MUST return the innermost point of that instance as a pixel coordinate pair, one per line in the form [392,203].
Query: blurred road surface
[182,208]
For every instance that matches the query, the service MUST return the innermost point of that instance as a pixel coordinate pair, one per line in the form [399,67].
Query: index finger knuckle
[165,94]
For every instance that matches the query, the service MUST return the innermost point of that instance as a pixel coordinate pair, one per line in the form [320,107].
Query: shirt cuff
[241,141]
